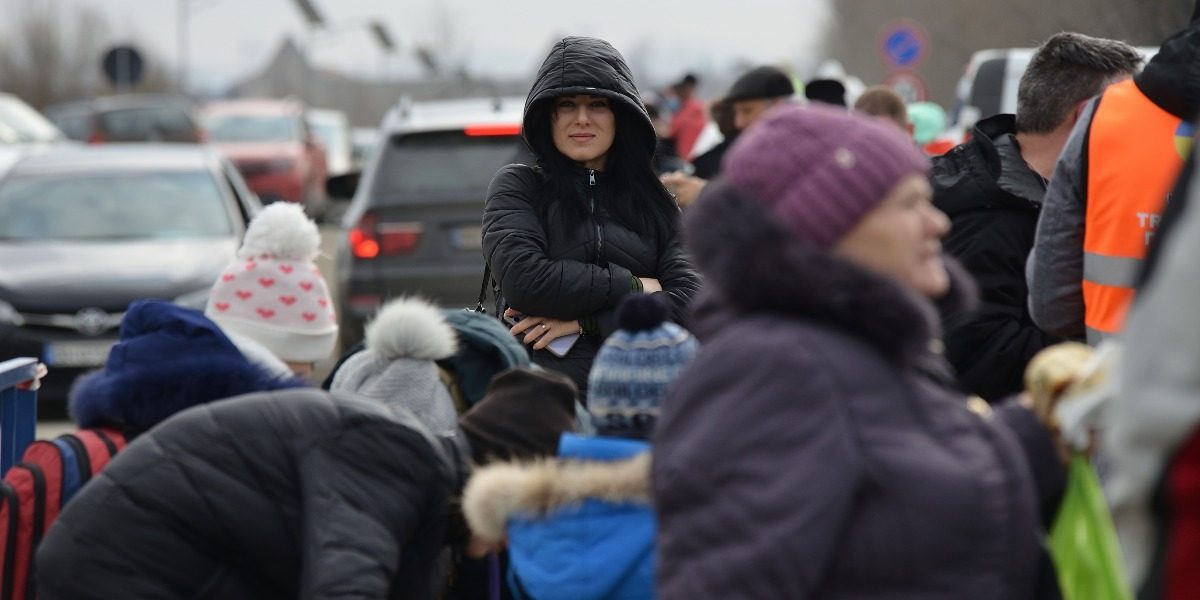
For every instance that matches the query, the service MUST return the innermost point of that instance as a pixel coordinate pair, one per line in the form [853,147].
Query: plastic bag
[1083,541]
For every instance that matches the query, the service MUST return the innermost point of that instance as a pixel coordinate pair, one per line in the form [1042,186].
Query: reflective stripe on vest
[1132,165]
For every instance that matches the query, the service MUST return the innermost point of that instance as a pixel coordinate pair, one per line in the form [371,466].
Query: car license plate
[77,354]
[467,237]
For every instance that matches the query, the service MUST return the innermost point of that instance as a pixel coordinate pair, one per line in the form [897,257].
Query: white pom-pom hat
[398,365]
[272,292]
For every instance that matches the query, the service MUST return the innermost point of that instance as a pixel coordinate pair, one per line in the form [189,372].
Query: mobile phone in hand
[561,346]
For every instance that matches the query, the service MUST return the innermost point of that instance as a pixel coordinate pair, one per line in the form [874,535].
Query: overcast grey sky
[232,38]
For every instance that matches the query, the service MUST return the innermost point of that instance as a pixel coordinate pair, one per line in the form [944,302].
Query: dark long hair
[632,192]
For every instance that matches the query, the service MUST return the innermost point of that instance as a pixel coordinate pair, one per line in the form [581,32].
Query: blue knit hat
[635,367]
[169,358]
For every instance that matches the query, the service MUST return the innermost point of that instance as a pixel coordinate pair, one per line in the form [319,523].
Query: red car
[272,146]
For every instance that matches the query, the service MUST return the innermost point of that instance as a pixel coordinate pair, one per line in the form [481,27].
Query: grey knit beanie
[398,365]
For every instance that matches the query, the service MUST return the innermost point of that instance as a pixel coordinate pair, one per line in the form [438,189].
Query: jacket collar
[753,265]
[987,171]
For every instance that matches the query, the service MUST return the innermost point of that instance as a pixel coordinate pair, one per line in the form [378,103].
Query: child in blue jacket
[581,527]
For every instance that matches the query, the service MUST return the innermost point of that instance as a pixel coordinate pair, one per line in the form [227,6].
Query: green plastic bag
[1083,541]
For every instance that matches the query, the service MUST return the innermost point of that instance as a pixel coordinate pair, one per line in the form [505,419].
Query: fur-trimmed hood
[753,265]
[168,359]
[498,493]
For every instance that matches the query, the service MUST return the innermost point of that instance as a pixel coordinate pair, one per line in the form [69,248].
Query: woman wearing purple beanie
[808,452]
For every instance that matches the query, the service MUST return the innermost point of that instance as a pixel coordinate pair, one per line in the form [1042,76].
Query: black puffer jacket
[550,265]
[295,494]
[993,199]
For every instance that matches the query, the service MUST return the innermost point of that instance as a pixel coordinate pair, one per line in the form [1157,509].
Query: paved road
[326,262]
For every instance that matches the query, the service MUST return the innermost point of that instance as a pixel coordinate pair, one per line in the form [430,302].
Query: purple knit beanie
[820,169]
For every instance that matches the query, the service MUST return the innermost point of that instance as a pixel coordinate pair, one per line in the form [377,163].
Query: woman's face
[901,238]
[583,128]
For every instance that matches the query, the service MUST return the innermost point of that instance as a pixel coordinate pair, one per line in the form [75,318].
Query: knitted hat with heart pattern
[272,292]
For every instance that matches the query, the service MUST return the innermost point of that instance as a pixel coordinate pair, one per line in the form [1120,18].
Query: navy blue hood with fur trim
[169,358]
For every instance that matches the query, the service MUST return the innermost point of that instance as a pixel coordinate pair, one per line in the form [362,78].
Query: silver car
[85,231]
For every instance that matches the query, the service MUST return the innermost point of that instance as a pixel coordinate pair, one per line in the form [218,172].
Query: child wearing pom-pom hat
[271,300]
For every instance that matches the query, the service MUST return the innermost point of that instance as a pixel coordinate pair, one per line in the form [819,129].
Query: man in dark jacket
[293,494]
[991,188]
[708,165]
[755,92]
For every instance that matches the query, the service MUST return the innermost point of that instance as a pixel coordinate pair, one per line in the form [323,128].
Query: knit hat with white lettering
[272,292]
[820,169]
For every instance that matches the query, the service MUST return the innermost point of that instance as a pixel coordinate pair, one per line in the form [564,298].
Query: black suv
[414,224]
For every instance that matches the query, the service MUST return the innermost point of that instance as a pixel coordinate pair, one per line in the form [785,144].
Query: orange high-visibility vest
[1132,165]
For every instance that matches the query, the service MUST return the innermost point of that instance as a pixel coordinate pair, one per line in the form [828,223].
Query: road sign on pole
[909,84]
[903,44]
[123,66]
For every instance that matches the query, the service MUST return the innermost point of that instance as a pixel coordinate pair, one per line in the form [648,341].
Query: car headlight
[9,315]
[196,300]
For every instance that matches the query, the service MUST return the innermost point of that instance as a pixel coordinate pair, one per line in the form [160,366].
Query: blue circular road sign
[903,44]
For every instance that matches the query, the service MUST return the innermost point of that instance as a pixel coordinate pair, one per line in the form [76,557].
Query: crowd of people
[799,369]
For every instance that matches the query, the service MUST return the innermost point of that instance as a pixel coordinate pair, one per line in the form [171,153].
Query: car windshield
[251,128]
[107,206]
[443,163]
[149,123]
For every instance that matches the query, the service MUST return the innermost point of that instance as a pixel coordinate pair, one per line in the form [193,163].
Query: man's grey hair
[1067,69]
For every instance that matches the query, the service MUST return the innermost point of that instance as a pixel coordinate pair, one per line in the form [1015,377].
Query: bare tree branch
[53,53]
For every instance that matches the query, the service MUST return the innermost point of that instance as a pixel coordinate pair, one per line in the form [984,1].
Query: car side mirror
[343,187]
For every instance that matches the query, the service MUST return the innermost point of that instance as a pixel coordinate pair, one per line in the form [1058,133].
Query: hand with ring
[540,331]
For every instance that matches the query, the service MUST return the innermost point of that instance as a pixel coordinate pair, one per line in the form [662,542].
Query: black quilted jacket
[294,494]
[549,265]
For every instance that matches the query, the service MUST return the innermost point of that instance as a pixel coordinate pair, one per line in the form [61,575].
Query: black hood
[986,172]
[582,65]
[752,264]
[1172,78]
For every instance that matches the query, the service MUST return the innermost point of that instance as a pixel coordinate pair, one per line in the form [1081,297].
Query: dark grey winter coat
[296,494]
[802,454]
[550,265]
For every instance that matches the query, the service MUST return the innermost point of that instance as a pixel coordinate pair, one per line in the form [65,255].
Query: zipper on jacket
[596,220]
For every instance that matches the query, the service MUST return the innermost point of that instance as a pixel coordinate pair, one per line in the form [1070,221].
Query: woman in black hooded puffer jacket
[568,238]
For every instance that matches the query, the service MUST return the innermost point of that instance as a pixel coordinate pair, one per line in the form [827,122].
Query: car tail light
[95,138]
[371,239]
[492,129]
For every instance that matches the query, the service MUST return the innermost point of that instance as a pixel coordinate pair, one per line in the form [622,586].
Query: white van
[989,86]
